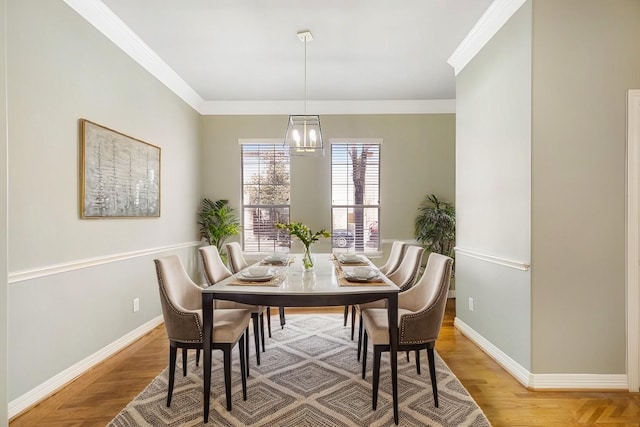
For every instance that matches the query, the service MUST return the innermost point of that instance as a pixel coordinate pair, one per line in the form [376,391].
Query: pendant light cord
[305,76]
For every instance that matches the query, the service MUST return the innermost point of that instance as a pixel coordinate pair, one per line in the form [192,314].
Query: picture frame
[119,174]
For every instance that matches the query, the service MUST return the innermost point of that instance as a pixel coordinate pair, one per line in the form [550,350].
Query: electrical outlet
[136,304]
[470,304]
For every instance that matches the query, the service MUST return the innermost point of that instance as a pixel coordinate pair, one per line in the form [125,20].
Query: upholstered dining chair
[214,272]
[181,303]
[420,314]
[404,277]
[390,266]
[238,262]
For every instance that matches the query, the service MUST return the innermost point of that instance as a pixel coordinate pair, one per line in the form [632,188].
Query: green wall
[417,158]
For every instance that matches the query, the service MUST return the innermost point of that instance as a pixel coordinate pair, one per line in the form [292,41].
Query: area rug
[308,376]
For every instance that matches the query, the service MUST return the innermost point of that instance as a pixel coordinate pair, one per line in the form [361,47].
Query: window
[355,194]
[265,196]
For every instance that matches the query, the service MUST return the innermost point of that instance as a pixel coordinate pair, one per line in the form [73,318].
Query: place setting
[277,258]
[258,275]
[351,259]
[360,275]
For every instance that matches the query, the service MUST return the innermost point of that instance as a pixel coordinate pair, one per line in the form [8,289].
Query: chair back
[181,300]
[235,257]
[405,275]
[427,301]
[395,258]
[214,268]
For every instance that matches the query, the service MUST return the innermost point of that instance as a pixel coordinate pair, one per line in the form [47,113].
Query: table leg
[393,350]
[207,326]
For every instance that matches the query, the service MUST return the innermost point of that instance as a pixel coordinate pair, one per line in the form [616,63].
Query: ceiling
[363,50]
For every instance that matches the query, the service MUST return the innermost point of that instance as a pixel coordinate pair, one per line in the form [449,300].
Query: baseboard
[452,293]
[543,381]
[50,386]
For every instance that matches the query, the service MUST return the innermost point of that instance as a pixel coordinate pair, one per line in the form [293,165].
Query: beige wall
[493,149]
[3,218]
[417,159]
[585,58]
[61,69]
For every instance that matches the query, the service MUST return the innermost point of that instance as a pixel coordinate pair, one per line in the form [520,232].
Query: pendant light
[304,136]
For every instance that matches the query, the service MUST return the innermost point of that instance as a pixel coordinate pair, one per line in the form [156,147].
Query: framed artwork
[119,175]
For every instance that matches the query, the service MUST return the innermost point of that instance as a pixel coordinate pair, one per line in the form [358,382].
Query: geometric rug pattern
[308,376]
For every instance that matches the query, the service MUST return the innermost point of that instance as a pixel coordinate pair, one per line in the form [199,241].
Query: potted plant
[435,225]
[217,221]
[306,236]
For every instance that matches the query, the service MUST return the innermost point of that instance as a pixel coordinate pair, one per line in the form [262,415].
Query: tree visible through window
[265,196]
[355,193]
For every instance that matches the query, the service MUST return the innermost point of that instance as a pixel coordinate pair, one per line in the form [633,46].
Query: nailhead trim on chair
[424,312]
[176,311]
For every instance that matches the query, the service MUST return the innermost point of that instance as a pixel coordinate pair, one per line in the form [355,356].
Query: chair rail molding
[518,265]
[34,273]
[633,240]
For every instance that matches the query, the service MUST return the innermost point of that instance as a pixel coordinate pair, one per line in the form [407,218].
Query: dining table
[331,282]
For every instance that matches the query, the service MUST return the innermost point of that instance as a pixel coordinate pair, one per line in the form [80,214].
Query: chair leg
[173,353]
[346,314]
[243,366]
[432,372]
[227,374]
[256,335]
[376,374]
[246,347]
[197,356]
[282,319]
[353,320]
[269,320]
[365,338]
[418,361]
[184,362]
[262,330]
[360,332]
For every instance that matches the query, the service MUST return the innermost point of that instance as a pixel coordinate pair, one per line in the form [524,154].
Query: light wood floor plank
[97,396]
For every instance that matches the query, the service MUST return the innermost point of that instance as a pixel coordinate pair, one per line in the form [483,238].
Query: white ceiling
[363,50]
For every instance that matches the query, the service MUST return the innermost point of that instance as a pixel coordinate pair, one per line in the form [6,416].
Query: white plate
[353,278]
[273,258]
[351,259]
[245,275]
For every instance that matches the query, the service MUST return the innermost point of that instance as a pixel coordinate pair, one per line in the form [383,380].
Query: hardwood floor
[97,396]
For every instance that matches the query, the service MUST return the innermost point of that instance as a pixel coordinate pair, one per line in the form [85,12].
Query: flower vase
[307,260]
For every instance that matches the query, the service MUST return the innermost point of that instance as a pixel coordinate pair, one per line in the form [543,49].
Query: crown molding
[429,106]
[487,26]
[111,26]
[108,23]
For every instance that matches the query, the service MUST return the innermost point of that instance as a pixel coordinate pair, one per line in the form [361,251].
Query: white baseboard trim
[47,388]
[543,381]
[452,293]
[511,366]
[579,382]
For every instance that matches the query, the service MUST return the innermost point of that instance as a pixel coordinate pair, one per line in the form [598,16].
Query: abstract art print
[120,175]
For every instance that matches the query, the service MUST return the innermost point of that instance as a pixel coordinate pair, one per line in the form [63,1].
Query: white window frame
[270,142]
[359,141]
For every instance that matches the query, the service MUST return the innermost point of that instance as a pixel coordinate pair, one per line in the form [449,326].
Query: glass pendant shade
[304,136]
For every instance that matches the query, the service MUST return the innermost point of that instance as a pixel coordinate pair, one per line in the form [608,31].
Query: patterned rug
[308,376]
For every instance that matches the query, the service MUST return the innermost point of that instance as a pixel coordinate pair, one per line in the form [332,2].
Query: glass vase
[307,259]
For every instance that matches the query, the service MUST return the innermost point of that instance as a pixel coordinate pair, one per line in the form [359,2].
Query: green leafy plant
[218,221]
[435,225]
[306,236]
